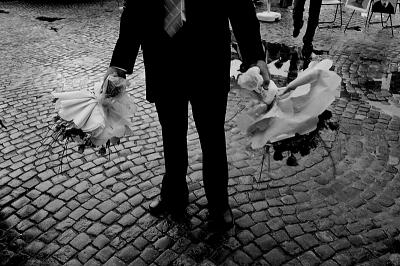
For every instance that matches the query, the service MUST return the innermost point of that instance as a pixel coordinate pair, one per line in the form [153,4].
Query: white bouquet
[290,112]
[94,118]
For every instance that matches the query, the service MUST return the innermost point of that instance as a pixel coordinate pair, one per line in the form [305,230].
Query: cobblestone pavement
[340,206]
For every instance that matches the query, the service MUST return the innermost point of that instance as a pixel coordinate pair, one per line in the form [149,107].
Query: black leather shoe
[221,223]
[159,207]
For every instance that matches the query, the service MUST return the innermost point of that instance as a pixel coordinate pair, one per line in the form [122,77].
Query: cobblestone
[104,254]
[80,241]
[266,243]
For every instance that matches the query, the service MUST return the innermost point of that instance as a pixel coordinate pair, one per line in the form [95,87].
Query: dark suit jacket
[197,58]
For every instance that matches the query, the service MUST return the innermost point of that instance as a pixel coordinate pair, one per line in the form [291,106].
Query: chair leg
[348,22]
[334,18]
[339,6]
[370,13]
[391,24]
[332,21]
[368,21]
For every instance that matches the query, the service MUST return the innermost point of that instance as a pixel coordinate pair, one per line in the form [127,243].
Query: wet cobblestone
[339,206]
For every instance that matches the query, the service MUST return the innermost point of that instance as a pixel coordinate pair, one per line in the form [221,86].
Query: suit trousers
[208,111]
[313,18]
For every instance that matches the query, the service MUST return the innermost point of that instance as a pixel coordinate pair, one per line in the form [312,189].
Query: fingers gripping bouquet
[94,118]
[289,118]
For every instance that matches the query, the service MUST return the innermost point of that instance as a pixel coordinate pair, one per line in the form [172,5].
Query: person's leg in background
[298,10]
[312,24]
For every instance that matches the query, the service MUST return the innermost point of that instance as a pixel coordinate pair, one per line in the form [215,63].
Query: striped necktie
[175,16]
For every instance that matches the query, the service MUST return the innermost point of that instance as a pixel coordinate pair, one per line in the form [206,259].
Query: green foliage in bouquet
[66,132]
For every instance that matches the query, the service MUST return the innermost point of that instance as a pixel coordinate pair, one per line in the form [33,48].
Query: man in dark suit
[186,53]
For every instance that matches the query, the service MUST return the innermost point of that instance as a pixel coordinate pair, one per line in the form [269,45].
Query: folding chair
[338,4]
[389,17]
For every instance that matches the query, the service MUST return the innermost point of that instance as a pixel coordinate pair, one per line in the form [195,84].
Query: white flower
[251,79]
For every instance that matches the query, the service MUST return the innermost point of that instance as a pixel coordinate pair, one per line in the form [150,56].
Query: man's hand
[262,65]
[113,71]
[283,93]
